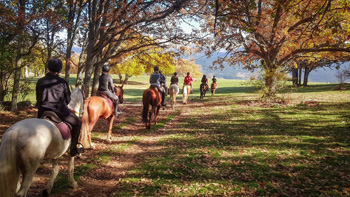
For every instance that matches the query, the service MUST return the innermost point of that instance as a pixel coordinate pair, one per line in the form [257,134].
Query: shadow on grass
[289,151]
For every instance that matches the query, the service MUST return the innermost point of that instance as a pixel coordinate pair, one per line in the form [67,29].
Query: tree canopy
[272,34]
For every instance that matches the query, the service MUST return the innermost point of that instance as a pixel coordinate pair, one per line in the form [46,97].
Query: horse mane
[76,99]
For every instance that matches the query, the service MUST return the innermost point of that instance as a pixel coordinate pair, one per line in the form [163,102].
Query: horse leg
[71,180]
[156,114]
[55,170]
[109,136]
[91,126]
[29,169]
[149,119]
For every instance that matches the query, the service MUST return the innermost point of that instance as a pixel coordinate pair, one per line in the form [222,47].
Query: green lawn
[232,144]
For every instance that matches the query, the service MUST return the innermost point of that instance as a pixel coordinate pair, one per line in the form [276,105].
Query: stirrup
[80,149]
[117,113]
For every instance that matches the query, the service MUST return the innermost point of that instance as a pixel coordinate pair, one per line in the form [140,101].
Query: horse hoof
[74,185]
[109,141]
[93,147]
[46,193]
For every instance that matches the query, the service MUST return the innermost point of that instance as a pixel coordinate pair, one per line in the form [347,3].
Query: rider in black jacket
[106,86]
[174,79]
[53,94]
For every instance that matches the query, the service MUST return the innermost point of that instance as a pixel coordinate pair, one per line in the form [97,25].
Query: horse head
[119,91]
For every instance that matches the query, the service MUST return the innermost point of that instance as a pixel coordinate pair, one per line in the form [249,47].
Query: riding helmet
[175,73]
[105,68]
[188,73]
[156,68]
[54,65]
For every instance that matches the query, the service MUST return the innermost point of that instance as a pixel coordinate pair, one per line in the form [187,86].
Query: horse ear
[122,85]
[71,87]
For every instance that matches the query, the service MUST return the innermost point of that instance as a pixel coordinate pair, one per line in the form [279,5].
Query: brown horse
[96,107]
[203,89]
[152,97]
[213,88]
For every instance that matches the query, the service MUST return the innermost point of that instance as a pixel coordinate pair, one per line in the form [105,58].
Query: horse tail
[145,107]
[85,124]
[9,172]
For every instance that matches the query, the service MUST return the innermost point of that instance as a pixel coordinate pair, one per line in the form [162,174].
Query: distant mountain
[238,72]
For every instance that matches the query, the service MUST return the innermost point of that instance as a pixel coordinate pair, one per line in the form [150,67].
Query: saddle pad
[63,127]
[110,103]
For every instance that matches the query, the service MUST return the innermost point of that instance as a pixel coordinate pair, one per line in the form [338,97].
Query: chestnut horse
[213,88]
[96,107]
[152,97]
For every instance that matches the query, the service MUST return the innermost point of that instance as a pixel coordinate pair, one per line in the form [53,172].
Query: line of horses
[26,143]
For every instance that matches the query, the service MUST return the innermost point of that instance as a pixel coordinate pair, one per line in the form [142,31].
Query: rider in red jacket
[188,80]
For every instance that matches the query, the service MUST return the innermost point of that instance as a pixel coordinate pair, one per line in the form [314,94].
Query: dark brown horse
[152,97]
[203,89]
[96,107]
[213,88]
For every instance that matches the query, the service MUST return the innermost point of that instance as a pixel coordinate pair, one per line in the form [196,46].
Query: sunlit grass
[245,148]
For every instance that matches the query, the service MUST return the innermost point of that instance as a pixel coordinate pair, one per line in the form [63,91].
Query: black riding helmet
[156,68]
[175,73]
[54,65]
[105,68]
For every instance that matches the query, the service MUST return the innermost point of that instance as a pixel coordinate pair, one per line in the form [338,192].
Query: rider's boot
[74,150]
[163,99]
[116,112]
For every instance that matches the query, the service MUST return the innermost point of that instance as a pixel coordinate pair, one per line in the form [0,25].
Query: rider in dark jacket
[214,79]
[163,81]
[106,86]
[53,94]
[154,80]
[174,79]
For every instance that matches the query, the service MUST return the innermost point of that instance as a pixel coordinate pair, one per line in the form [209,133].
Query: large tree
[271,34]
[114,26]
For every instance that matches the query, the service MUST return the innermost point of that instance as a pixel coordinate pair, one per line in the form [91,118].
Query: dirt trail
[103,179]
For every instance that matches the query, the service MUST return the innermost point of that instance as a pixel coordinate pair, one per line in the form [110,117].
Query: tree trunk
[295,76]
[299,77]
[97,73]
[68,59]
[73,14]
[81,65]
[89,68]
[16,79]
[126,78]
[120,78]
[17,75]
[306,76]
[270,83]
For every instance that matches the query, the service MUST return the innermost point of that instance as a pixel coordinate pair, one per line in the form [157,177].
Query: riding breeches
[75,122]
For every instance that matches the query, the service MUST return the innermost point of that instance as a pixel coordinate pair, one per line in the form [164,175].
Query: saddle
[103,95]
[156,89]
[64,127]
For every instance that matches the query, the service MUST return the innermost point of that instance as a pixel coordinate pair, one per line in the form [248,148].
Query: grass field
[230,144]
